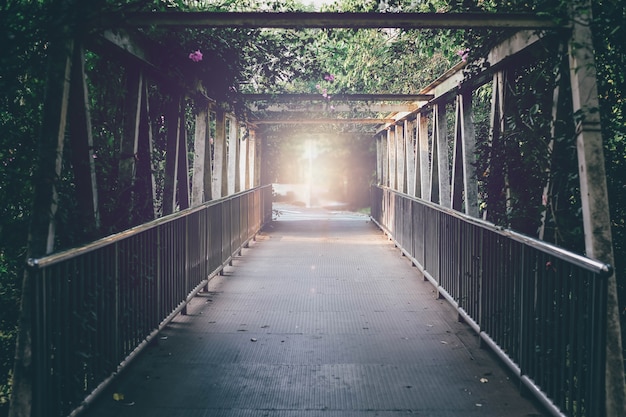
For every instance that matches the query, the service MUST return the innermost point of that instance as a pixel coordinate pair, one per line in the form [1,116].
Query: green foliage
[514,164]
[9,306]
[21,87]
[386,60]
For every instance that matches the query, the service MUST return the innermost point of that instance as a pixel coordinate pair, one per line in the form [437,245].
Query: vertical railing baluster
[94,306]
[186,256]
[159,271]
[116,308]
[541,308]
[39,338]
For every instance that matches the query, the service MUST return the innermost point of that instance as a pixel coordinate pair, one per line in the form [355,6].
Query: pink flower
[196,56]
[329,77]
[463,53]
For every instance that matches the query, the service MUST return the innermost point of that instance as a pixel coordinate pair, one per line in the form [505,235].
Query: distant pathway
[320,317]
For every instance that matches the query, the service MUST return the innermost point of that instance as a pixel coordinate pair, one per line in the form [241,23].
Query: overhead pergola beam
[321,20]
[279,108]
[284,98]
[320,121]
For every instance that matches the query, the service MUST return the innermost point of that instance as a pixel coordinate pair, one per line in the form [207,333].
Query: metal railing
[540,308]
[96,306]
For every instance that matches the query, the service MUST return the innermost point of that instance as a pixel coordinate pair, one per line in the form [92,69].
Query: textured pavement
[321,316]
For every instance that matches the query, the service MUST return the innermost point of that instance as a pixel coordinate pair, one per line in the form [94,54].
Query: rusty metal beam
[297,20]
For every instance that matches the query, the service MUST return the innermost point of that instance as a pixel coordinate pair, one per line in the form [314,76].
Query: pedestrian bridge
[208,301]
[319,316]
[218,310]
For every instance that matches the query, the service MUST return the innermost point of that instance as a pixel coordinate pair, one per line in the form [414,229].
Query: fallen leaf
[117,396]
[484,380]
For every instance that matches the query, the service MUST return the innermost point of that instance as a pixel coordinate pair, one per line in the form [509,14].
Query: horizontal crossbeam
[283,98]
[296,20]
[282,108]
[319,121]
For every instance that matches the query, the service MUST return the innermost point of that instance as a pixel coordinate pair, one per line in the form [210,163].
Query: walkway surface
[322,316]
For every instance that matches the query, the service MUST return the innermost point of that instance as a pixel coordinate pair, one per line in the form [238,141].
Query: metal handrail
[540,308]
[108,240]
[577,259]
[97,306]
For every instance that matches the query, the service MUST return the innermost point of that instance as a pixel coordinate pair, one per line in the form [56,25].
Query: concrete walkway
[322,316]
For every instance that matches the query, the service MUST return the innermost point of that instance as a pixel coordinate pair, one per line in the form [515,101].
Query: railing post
[423,182]
[440,141]
[42,227]
[39,338]
[117,313]
[201,164]
[182,176]
[464,184]
[82,146]
[219,155]
[400,157]
[145,188]
[159,271]
[173,119]
[384,151]
[525,296]
[480,320]
[389,159]
[593,191]
[409,140]
[186,272]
